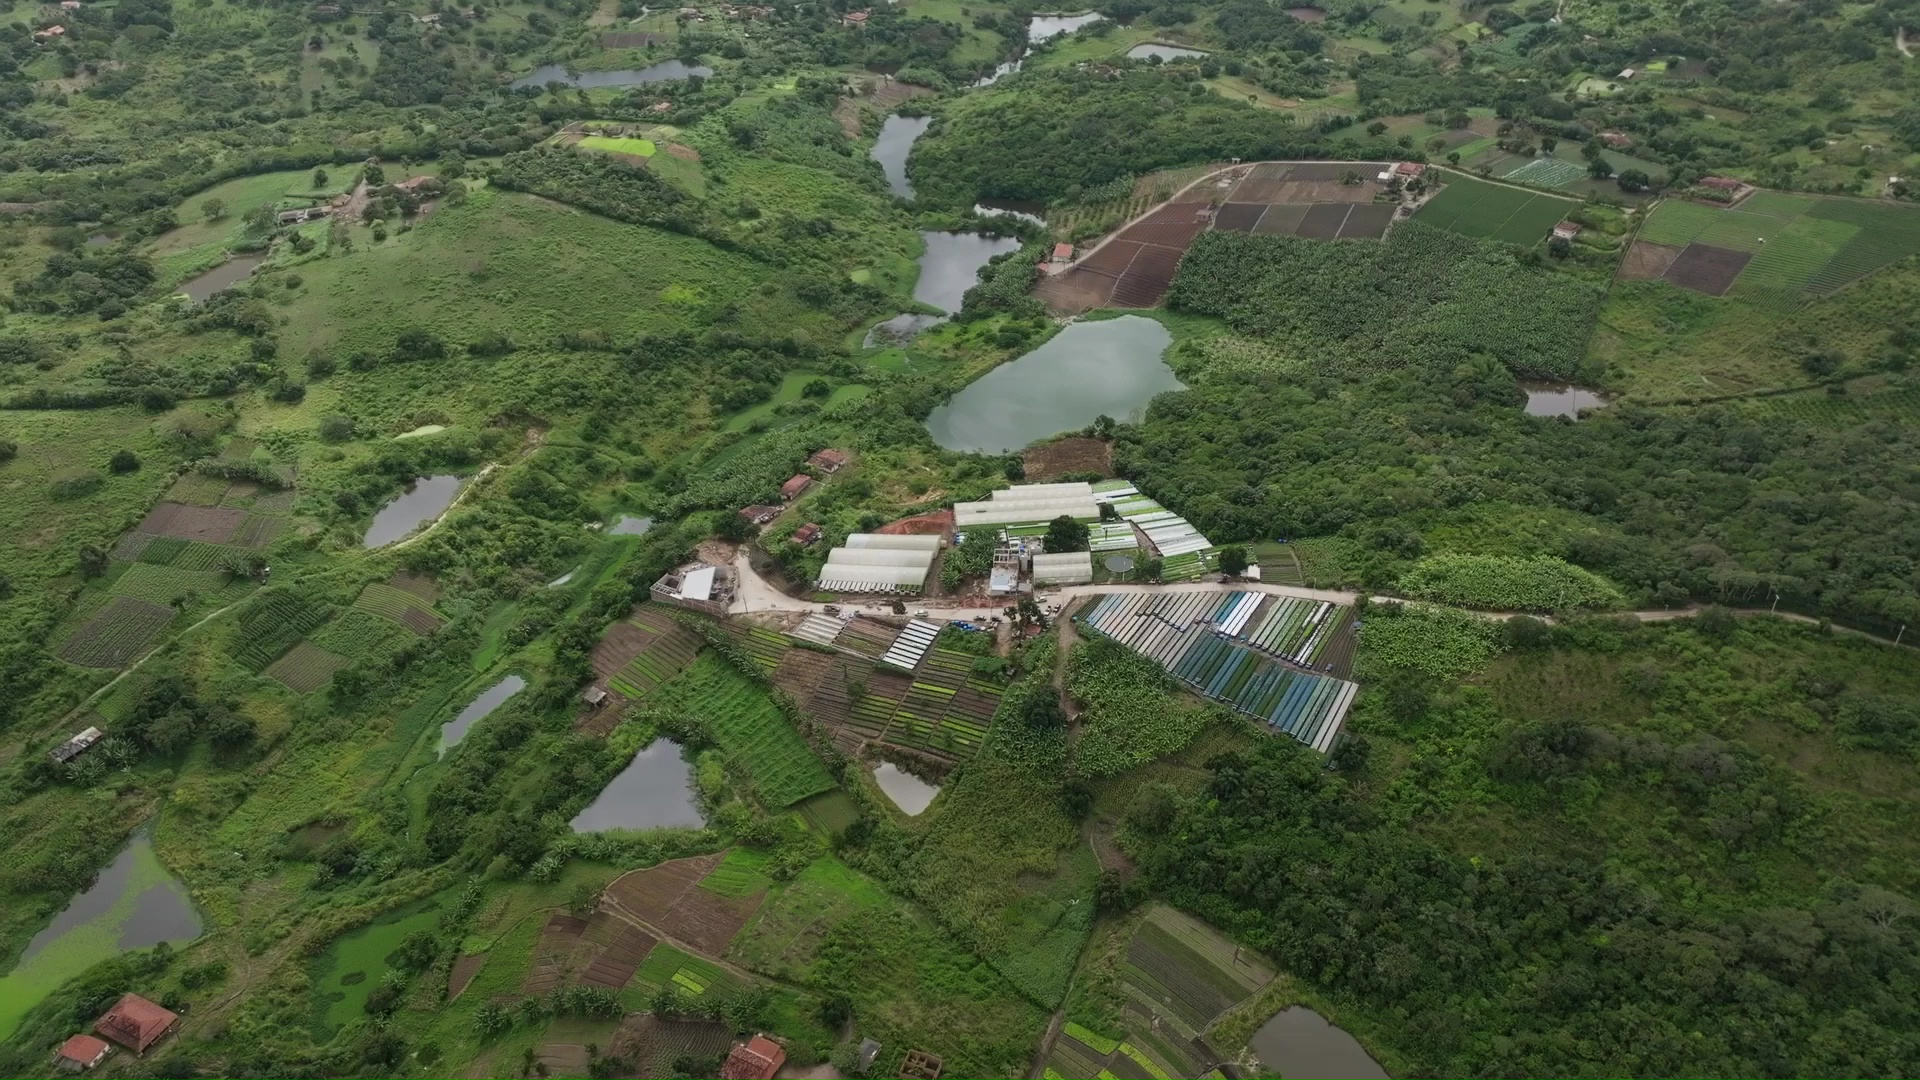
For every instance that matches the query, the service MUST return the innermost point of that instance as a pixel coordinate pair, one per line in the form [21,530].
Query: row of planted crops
[1244,649]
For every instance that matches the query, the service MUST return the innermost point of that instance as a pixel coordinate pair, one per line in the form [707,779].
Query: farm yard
[1134,267]
[1773,250]
[1493,211]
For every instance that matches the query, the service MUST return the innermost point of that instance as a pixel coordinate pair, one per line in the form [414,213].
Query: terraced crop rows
[116,635]
[767,647]
[271,626]
[306,667]
[400,606]
[746,724]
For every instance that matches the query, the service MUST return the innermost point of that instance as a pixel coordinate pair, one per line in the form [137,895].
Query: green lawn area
[614,145]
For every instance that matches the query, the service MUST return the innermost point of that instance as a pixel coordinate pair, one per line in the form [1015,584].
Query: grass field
[615,145]
[1493,211]
[1802,246]
[757,738]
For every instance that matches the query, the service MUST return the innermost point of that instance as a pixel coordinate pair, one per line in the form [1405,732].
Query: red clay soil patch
[1238,217]
[464,969]
[566,1059]
[1323,221]
[1147,279]
[1367,221]
[553,954]
[1111,260]
[619,949]
[1647,261]
[801,671]
[1708,269]
[1076,291]
[213,524]
[649,894]
[1063,456]
[938,523]
[707,920]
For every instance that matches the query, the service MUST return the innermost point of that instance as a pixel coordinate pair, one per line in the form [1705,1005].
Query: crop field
[767,647]
[402,607]
[270,625]
[258,530]
[198,489]
[212,524]
[652,1045]
[643,651]
[690,975]
[1493,211]
[117,635]
[362,635]
[1773,250]
[751,729]
[641,148]
[1547,172]
[166,584]
[742,873]
[1827,411]
[830,812]
[306,667]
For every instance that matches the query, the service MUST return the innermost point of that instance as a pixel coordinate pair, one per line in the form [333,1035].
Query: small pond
[654,791]
[664,71]
[908,792]
[134,904]
[490,699]
[630,525]
[893,145]
[1299,1042]
[1028,210]
[423,501]
[1164,52]
[1554,399]
[1110,367]
[1042,27]
[900,328]
[225,276]
[1307,14]
[99,239]
[952,265]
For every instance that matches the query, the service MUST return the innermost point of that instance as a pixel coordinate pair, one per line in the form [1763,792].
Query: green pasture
[1493,211]
[618,145]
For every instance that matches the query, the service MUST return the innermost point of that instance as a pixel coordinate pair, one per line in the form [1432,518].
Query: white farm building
[870,562]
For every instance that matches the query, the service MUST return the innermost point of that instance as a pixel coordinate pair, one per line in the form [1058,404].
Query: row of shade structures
[912,644]
[871,562]
[1186,633]
[1168,532]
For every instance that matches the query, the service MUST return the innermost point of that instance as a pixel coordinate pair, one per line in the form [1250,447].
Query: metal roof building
[1027,503]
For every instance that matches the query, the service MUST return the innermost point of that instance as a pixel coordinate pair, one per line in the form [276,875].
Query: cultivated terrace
[1180,538]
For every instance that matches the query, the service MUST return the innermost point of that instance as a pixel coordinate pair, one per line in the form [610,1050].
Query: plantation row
[270,626]
[117,634]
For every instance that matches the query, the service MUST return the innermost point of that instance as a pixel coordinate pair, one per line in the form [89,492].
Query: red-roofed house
[756,1059]
[1617,140]
[806,534]
[1063,253]
[136,1023]
[1409,169]
[80,1053]
[1566,230]
[855,19]
[828,460]
[795,487]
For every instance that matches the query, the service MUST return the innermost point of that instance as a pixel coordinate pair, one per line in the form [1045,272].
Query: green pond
[346,973]
[135,903]
[1111,367]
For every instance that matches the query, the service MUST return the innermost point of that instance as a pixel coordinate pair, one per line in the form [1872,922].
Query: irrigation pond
[425,499]
[908,792]
[891,148]
[654,791]
[664,71]
[134,904]
[225,276]
[1111,367]
[1559,399]
[1150,49]
[478,709]
[1300,1043]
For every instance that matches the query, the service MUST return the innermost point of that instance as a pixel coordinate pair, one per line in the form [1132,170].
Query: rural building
[911,644]
[594,697]
[304,214]
[415,183]
[756,1059]
[828,460]
[920,1064]
[1409,170]
[796,487]
[49,33]
[75,746]
[1028,504]
[136,1023]
[697,586]
[856,19]
[1062,253]
[873,562]
[80,1053]
[868,1051]
[1626,73]
[331,11]
[1566,230]
[759,515]
[70,5]
[806,534]
[1066,568]
[1615,139]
